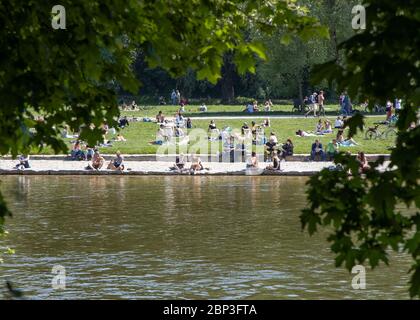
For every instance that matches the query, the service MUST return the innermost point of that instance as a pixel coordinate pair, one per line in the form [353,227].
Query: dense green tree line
[284,74]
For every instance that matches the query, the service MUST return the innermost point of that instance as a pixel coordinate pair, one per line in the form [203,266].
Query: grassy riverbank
[139,134]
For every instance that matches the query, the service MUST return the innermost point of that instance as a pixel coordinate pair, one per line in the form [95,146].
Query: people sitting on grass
[338,124]
[123,122]
[189,123]
[23,162]
[212,126]
[363,163]
[302,133]
[160,136]
[254,127]
[77,153]
[65,133]
[317,151]
[202,108]
[349,142]
[268,105]
[319,127]
[214,133]
[266,123]
[196,164]
[332,149]
[120,137]
[181,109]
[252,161]
[160,118]
[179,120]
[250,108]
[179,133]
[97,161]
[275,166]
[117,162]
[134,105]
[327,127]
[287,149]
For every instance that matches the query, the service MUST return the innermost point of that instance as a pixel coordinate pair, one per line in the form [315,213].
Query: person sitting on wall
[196,164]
[117,162]
[23,162]
[179,163]
[275,166]
[317,150]
[287,149]
[77,153]
[97,161]
[332,149]
[363,163]
[252,161]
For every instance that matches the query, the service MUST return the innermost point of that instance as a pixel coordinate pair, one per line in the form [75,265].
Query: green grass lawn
[216,110]
[139,134]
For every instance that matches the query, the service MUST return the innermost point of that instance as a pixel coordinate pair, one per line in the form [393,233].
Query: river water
[175,237]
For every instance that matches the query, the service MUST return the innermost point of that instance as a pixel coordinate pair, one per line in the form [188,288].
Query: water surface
[175,237]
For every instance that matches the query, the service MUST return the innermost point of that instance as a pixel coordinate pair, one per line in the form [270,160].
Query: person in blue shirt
[317,150]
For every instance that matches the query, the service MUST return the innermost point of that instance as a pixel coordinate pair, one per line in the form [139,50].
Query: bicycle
[375,133]
[376,109]
[300,108]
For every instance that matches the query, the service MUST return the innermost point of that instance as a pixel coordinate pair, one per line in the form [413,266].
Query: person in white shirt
[338,124]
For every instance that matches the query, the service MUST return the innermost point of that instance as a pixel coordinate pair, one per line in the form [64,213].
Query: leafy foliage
[51,78]
[380,63]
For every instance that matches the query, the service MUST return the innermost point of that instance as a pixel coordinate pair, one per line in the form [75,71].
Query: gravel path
[154,167]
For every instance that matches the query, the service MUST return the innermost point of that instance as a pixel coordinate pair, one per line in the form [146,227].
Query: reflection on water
[179,237]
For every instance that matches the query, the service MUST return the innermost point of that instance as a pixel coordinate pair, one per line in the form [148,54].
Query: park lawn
[139,134]
[214,110]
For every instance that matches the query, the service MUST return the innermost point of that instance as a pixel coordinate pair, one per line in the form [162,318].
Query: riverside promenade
[145,165]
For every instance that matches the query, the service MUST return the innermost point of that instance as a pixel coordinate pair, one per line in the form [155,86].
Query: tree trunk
[227,81]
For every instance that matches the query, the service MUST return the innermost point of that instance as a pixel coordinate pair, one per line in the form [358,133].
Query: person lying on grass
[349,142]
[302,133]
[117,162]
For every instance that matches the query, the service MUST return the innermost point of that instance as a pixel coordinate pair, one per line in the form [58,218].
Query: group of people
[315,102]
[253,106]
[180,164]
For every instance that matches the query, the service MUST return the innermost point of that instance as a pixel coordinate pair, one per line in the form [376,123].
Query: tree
[50,77]
[380,63]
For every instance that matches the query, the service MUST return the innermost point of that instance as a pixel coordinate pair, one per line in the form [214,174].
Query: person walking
[321,100]
[173,97]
